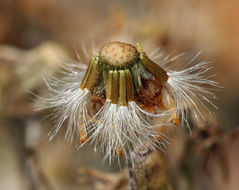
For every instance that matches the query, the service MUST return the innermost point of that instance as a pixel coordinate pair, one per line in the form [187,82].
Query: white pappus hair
[123,128]
[68,101]
[64,96]
[190,87]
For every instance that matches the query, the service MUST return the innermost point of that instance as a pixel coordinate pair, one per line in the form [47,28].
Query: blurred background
[36,35]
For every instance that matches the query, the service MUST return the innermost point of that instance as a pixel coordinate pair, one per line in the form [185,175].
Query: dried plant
[124,97]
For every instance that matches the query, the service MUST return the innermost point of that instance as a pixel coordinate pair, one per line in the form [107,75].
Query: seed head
[115,101]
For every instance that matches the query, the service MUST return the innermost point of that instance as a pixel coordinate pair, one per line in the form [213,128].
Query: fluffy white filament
[68,101]
[191,88]
[123,128]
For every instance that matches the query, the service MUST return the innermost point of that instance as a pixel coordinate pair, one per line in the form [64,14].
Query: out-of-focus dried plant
[208,159]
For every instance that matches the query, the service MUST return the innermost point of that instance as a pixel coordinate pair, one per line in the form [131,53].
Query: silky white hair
[125,128]
[190,86]
[67,101]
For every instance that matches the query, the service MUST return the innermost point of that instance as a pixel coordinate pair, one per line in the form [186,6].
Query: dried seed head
[118,54]
[138,95]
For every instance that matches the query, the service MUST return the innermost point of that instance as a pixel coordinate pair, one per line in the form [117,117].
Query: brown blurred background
[36,35]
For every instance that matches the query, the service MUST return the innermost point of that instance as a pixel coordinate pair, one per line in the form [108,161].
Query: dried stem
[136,168]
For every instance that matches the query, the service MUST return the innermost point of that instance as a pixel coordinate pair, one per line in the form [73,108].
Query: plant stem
[136,168]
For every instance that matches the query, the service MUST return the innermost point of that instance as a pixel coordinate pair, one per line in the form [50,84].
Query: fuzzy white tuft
[192,90]
[189,86]
[68,101]
[123,128]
